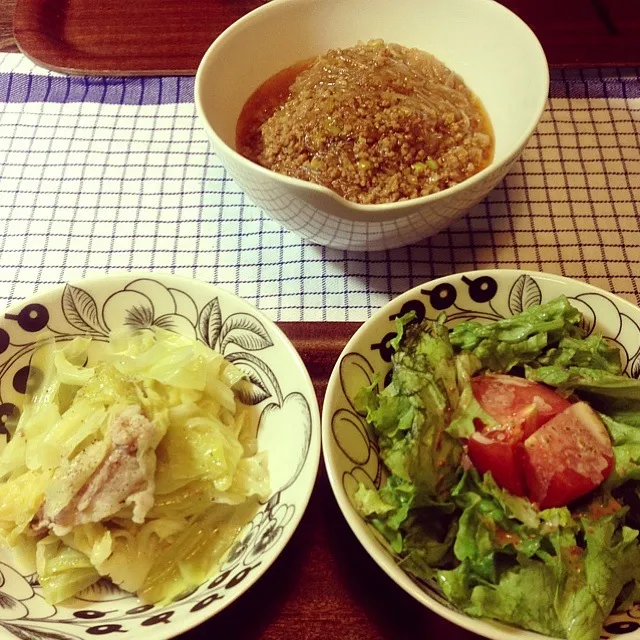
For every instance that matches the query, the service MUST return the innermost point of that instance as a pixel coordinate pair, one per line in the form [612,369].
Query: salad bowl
[282,403]
[351,451]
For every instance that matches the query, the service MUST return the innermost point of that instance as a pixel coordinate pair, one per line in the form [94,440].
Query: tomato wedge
[520,407]
[544,447]
[489,453]
[516,403]
[568,457]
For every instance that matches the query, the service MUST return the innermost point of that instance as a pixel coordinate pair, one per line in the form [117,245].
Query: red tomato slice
[489,453]
[519,406]
[567,457]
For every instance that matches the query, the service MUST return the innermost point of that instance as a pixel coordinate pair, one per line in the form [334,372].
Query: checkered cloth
[102,174]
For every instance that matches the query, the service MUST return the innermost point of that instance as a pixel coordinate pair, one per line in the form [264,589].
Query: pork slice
[125,477]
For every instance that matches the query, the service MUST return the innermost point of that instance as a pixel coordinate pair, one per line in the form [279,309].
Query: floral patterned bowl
[284,404]
[350,451]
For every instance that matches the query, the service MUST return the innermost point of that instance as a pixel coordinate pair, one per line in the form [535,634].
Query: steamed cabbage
[142,468]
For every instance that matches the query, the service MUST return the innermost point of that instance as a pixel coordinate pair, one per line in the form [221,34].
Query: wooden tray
[325,585]
[319,345]
[167,37]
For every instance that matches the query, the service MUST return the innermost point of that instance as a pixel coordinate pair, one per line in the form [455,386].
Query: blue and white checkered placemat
[101,174]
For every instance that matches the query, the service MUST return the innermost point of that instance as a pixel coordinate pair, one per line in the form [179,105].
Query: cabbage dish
[143,468]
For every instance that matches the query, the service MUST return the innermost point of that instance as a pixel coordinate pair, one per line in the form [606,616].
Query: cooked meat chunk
[125,476]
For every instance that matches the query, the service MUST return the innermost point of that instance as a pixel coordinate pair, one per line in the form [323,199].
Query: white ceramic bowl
[284,407]
[350,452]
[498,56]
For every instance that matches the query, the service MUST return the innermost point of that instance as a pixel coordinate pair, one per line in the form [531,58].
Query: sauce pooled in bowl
[376,123]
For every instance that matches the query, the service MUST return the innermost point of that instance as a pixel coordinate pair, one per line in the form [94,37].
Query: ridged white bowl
[497,55]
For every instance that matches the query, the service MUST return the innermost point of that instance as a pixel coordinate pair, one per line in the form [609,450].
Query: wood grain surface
[324,586]
[7,41]
[122,37]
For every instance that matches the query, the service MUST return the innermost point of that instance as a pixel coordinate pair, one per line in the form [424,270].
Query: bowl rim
[315,445]
[486,627]
[393,207]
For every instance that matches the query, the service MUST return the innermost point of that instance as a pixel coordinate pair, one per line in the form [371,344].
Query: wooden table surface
[147,37]
[324,585]
[7,43]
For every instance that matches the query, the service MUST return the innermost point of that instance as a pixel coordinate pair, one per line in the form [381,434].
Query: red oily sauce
[262,104]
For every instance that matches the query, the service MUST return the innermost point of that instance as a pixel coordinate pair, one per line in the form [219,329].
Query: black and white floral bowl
[285,407]
[350,451]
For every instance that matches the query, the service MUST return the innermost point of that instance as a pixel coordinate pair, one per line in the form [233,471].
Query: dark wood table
[7,43]
[324,585]
[120,37]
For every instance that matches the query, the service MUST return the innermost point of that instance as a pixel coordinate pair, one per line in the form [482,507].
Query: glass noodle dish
[143,468]
[513,458]
[376,123]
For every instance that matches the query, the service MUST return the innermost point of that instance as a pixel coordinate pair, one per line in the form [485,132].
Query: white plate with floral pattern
[284,404]
[350,450]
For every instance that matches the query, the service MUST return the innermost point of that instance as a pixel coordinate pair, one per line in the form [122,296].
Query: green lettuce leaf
[566,589]
[590,582]
[495,521]
[515,341]
[410,417]
[468,409]
[629,595]
[621,410]
[523,597]
[401,322]
[626,451]
[411,414]
[393,417]
[593,352]
[424,371]
[615,395]
[457,584]
[428,542]
[387,508]
[594,382]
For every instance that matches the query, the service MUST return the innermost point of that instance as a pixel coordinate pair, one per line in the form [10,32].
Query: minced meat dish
[376,123]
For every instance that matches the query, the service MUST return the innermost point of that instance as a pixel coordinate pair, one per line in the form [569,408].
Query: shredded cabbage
[142,468]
